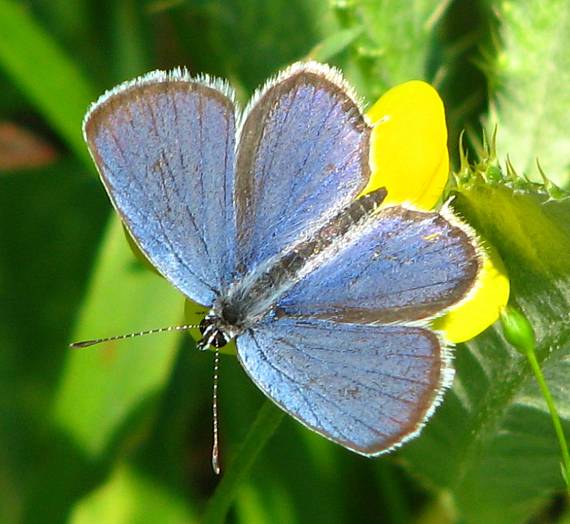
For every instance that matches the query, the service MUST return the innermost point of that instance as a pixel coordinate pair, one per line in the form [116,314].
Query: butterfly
[259,216]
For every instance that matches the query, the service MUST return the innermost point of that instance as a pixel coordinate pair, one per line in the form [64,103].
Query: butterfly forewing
[302,155]
[164,146]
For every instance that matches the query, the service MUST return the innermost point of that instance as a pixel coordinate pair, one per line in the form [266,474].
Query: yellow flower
[408,156]
[409,145]
[481,310]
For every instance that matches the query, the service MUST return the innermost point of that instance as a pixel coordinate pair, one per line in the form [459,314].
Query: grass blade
[44,73]
[266,422]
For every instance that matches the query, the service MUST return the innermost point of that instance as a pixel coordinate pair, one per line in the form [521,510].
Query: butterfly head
[214,332]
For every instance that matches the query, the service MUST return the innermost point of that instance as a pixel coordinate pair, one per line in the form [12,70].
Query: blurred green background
[122,433]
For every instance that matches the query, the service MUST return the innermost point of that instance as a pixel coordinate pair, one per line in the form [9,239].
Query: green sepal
[517,330]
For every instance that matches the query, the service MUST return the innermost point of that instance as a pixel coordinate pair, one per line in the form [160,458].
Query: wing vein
[325,399]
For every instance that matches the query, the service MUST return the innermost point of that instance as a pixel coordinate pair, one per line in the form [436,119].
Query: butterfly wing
[336,352]
[164,147]
[302,155]
[402,265]
[368,388]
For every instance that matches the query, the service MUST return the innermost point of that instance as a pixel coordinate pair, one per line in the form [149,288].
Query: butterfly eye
[205,323]
[212,335]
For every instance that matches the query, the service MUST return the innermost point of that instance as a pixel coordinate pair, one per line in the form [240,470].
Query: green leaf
[334,44]
[130,39]
[97,392]
[249,40]
[257,506]
[103,385]
[129,496]
[42,70]
[267,421]
[392,30]
[492,442]
[529,77]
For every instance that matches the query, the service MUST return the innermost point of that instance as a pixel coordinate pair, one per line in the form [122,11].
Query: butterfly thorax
[256,294]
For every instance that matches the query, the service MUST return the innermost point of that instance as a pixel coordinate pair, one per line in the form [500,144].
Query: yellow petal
[408,148]
[484,307]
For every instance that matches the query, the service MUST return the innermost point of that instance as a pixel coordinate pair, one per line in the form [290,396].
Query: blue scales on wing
[341,350]
[365,387]
[302,156]
[401,265]
[164,146]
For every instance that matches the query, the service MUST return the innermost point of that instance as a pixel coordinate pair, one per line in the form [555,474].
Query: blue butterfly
[256,214]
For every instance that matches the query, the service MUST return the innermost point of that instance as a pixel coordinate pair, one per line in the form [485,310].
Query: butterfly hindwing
[365,387]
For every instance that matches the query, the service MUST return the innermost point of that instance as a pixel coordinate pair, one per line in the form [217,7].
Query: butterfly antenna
[87,343]
[215,445]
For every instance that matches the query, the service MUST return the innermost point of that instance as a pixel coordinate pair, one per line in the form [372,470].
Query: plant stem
[267,420]
[518,331]
[531,355]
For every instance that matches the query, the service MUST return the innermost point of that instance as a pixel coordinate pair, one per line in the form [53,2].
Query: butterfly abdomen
[333,230]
